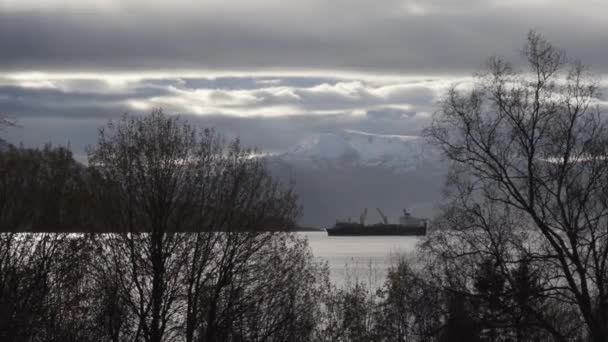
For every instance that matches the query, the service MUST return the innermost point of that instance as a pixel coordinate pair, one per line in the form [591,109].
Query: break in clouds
[271,112]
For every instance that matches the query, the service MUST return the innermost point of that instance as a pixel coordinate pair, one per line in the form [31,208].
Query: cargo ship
[408,225]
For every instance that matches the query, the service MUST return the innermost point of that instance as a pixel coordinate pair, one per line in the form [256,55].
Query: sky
[269,71]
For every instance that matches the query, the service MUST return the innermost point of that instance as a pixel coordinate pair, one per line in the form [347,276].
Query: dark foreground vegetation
[182,234]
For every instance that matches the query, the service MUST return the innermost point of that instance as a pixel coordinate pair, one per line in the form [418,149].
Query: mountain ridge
[402,153]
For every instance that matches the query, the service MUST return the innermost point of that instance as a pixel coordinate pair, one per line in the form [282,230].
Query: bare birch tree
[528,184]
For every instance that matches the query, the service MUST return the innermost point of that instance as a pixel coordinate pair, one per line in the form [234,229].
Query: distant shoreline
[306,229]
[75,230]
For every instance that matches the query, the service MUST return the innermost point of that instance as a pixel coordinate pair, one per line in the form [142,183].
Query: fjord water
[362,258]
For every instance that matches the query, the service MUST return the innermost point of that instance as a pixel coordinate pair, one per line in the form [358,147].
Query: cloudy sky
[270,71]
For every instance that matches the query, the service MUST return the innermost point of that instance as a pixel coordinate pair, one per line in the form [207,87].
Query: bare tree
[271,294]
[41,274]
[241,211]
[194,215]
[145,189]
[528,183]
[41,288]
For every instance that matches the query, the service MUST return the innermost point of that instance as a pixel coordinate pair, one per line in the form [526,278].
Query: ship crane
[362,217]
[384,218]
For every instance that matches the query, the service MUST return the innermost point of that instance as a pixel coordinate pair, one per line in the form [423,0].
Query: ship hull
[382,230]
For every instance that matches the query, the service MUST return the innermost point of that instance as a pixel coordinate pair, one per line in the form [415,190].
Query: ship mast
[384,218]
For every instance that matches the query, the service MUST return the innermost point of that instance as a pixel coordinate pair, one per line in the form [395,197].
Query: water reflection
[363,258]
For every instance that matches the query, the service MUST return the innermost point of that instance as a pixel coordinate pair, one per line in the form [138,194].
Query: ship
[408,225]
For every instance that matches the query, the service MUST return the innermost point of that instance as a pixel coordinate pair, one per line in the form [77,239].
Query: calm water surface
[363,258]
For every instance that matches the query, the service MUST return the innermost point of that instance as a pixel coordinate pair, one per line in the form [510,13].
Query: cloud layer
[390,36]
[269,111]
[269,71]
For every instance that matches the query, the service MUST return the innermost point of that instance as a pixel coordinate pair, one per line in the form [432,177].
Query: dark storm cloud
[389,36]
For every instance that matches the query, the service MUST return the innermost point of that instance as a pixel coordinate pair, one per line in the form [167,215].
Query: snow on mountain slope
[401,153]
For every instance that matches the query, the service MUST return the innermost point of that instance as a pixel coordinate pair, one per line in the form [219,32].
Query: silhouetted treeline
[58,287]
[40,189]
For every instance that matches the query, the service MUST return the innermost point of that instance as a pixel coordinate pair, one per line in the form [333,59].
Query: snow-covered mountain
[400,153]
[338,174]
